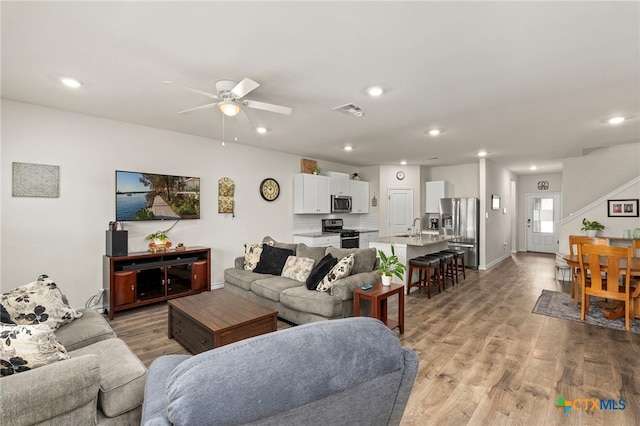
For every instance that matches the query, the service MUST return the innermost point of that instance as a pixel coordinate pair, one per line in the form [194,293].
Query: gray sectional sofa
[293,301]
[102,383]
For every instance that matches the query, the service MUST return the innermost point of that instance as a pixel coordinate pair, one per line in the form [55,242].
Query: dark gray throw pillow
[272,260]
[321,269]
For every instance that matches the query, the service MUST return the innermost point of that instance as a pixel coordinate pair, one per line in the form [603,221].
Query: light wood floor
[485,358]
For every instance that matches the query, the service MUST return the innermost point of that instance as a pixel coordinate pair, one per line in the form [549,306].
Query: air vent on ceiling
[350,109]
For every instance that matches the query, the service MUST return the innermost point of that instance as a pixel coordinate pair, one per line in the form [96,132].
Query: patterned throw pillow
[40,302]
[298,268]
[25,347]
[341,270]
[252,254]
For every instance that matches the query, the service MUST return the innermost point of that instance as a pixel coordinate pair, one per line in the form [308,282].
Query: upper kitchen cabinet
[359,196]
[311,194]
[339,183]
[435,190]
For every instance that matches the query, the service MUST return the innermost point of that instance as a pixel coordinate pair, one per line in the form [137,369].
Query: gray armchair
[341,372]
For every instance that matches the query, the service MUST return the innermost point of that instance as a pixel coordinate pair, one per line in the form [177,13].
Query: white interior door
[400,211]
[543,213]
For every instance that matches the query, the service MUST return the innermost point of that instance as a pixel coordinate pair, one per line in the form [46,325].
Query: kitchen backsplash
[304,223]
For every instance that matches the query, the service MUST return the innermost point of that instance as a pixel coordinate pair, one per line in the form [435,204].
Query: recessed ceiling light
[375,91]
[71,82]
[435,132]
[403,162]
[616,120]
[348,148]
[261,130]
[533,168]
[482,153]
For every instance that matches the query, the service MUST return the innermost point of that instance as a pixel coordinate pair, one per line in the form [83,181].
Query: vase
[386,280]
[592,232]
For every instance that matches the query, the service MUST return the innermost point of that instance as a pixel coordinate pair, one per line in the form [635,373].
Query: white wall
[65,237]
[587,178]
[464,177]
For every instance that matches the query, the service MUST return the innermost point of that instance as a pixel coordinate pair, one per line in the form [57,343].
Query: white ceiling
[530,82]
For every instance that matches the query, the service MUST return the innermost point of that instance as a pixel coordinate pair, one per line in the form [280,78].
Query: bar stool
[458,261]
[430,267]
[448,267]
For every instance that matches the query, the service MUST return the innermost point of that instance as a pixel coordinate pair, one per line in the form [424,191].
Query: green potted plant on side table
[591,227]
[389,266]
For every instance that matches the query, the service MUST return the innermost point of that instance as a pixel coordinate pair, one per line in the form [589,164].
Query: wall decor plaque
[35,180]
[226,189]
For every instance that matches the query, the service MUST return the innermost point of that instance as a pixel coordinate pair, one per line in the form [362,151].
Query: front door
[543,214]
[400,211]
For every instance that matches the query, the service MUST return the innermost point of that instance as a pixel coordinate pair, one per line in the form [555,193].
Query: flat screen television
[150,196]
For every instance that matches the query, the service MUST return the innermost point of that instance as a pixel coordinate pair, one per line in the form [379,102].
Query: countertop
[316,234]
[421,241]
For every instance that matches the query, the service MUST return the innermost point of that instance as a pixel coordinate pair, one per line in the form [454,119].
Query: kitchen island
[409,247]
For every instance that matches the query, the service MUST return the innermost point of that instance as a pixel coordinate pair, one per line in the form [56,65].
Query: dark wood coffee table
[215,318]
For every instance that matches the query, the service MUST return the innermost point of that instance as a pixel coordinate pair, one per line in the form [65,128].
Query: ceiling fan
[229,100]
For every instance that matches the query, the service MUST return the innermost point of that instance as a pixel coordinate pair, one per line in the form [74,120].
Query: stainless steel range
[349,238]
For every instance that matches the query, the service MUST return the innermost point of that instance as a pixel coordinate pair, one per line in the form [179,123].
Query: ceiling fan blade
[244,87]
[267,107]
[243,118]
[199,107]
[202,92]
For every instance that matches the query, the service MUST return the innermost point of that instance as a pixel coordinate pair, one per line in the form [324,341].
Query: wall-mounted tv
[150,196]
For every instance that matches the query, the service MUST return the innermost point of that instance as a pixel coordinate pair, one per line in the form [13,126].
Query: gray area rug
[560,305]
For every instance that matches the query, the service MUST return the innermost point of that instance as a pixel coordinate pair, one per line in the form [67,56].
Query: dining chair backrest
[635,245]
[605,275]
[576,240]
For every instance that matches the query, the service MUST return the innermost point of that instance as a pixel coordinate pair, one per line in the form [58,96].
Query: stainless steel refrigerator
[460,217]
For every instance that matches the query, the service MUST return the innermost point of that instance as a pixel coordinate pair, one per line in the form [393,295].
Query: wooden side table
[378,296]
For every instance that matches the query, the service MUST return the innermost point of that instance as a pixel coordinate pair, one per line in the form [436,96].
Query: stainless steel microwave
[340,204]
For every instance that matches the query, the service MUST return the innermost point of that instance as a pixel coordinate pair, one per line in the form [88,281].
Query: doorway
[543,214]
[400,211]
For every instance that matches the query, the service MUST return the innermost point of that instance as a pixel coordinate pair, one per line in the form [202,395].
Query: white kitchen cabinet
[435,190]
[359,196]
[365,237]
[311,194]
[318,241]
[339,183]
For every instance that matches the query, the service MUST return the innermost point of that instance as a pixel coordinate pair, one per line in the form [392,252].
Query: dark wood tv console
[143,278]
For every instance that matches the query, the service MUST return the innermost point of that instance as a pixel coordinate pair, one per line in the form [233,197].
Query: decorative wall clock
[269,189]
[543,185]
[400,175]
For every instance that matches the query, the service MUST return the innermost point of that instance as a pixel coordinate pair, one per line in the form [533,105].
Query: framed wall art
[35,180]
[622,208]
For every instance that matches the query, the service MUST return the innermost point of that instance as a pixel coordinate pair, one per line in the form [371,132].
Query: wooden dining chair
[574,242]
[606,270]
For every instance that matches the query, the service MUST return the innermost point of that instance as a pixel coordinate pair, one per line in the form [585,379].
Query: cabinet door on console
[178,279]
[125,287]
[199,275]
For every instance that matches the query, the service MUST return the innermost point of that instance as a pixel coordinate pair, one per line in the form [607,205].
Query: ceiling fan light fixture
[229,108]
[482,153]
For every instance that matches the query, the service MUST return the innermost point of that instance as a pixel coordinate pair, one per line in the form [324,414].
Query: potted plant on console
[158,240]
[389,266]
[591,227]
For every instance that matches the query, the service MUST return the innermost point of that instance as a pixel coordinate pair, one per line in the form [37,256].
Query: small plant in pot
[390,266]
[158,237]
[591,227]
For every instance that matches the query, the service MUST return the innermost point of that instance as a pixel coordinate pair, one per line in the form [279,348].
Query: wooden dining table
[574,261]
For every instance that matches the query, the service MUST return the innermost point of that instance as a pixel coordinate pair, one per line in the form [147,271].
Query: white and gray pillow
[25,347]
[341,270]
[252,254]
[298,268]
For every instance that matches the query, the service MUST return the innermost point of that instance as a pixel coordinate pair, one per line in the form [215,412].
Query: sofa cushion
[315,253]
[39,302]
[273,243]
[341,270]
[364,261]
[270,288]
[298,268]
[304,300]
[241,278]
[272,260]
[122,376]
[252,254]
[92,327]
[319,271]
[25,347]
